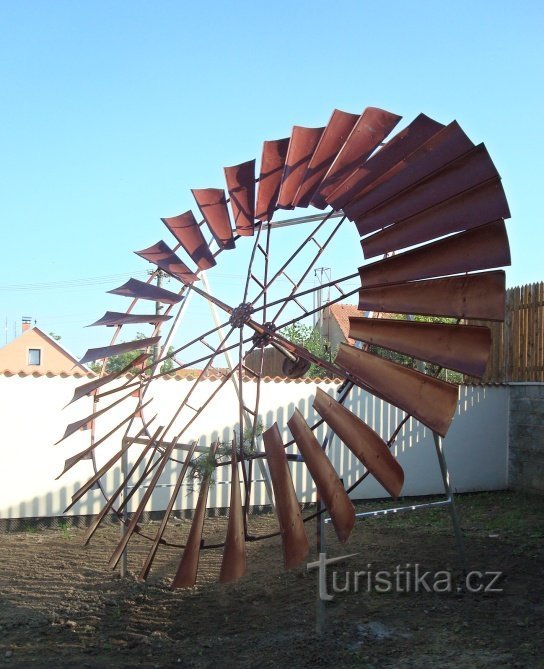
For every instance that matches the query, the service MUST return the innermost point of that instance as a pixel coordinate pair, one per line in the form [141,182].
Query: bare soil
[60,606]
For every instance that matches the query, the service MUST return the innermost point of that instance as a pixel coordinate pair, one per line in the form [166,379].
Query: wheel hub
[261,340]
[241,315]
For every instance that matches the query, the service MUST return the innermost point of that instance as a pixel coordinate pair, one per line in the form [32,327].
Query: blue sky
[113,111]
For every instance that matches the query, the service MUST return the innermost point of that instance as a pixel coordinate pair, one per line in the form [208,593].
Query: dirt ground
[60,606]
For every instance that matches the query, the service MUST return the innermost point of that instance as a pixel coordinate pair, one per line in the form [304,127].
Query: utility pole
[158,308]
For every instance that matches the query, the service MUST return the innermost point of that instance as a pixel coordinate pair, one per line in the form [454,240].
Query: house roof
[341,314]
[73,367]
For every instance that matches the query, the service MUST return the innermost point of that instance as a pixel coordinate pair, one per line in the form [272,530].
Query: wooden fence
[517,352]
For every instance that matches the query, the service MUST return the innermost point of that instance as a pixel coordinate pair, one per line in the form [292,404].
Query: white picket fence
[32,420]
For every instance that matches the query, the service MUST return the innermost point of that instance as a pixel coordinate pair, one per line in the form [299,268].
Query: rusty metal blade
[442,148]
[134,519]
[213,207]
[74,427]
[161,254]
[479,296]
[233,565]
[146,291]
[92,481]
[430,400]
[482,204]
[91,386]
[188,233]
[371,129]
[272,164]
[464,348]
[362,441]
[301,148]
[186,572]
[472,169]
[294,540]
[483,247]
[335,134]
[326,479]
[113,497]
[241,186]
[144,572]
[115,349]
[114,318]
[403,143]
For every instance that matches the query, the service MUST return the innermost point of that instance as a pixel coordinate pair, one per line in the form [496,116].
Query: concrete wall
[32,420]
[526,436]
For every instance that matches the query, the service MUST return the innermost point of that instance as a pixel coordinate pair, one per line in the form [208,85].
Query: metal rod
[453,509]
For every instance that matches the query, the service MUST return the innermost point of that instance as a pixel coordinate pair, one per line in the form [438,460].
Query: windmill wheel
[428,200]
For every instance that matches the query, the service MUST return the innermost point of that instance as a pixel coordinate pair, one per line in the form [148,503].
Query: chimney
[27,322]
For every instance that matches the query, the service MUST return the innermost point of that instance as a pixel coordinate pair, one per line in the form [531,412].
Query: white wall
[32,419]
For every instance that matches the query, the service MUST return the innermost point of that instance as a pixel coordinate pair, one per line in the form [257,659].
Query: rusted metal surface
[146,291]
[188,233]
[371,128]
[402,144]
[91,386]
[162,255]
[84,422]
[430,400]
[301,148]
[362,441]
[115,349]
[146,567]
[233,564]
[483,204]
[241,186]
[480,295]
[186,572]
[464,348]
[472,169]
[329,486]
[115,318]
[484,247]
[272,164]
[335,134]
[213,207]
[294,540]
[442,148]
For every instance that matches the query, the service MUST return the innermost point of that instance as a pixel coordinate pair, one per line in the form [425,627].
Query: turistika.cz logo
[403,579]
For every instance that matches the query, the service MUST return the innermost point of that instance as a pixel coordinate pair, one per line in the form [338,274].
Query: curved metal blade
[483,247]
[213,207]
[430,400]
[233,565]
[464,348]
[113,318]
[146,291]
[294,540]
[90,386]
[144,572]
[371,128]
[326,479]
[402,144]
[162,255]
[474,168]
[272,164]
[241,186]
[479,296]
[483,204]
[335,134]
[301,148]
[442,148]
[186,572]
[362,441]
[188,233]
[115,349]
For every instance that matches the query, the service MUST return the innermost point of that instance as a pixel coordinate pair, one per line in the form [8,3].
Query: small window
[34,356]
